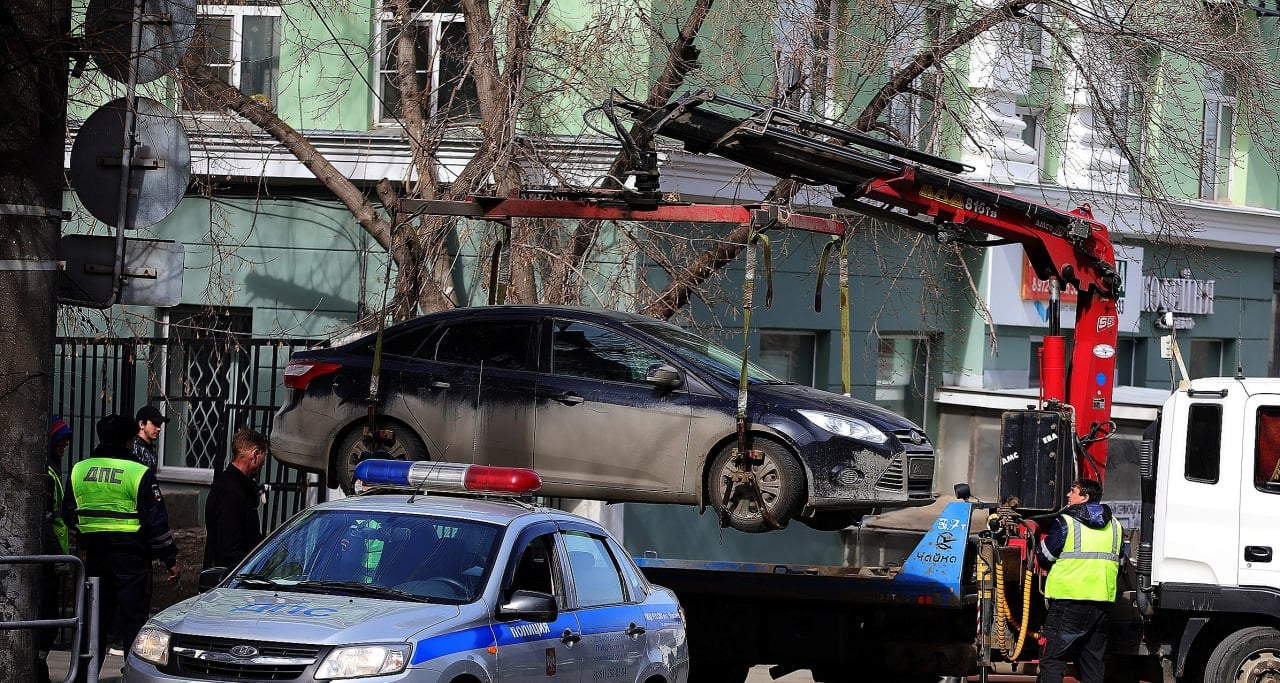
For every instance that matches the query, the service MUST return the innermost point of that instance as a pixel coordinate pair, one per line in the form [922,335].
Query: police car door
[531,650]
[613,626]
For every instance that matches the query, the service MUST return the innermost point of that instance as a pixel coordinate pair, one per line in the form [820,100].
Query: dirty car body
[604,405]
[423,588]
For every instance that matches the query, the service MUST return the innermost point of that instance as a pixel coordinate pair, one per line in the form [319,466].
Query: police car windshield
[393,555]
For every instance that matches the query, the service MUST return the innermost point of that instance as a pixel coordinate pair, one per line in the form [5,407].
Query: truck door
[1260,494]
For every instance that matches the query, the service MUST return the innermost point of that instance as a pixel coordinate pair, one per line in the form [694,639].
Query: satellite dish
[161,163]
[167,28]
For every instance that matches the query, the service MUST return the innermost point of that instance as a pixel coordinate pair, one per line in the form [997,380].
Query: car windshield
[706,354]
[389,555]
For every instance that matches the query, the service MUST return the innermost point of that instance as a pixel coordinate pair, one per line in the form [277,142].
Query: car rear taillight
[299,373]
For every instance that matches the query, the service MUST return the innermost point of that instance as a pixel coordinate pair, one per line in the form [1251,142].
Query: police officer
[1084,546]
[121,524]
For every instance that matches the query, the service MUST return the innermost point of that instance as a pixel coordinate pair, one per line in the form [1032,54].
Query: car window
[407,556]
[584,350]
[497,344]
[404,343]
[535,570]
[706,354]
[636,583]
[595,576]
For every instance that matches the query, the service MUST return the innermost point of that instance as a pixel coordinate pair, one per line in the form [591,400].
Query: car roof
[494,510]
[539,309]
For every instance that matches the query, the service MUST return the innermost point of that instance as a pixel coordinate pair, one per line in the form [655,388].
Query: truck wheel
[782,487]
[1250,655]
[406,446]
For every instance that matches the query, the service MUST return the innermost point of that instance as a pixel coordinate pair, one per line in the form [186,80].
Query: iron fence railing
[208,387]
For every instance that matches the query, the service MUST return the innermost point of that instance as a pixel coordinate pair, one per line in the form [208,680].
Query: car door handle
[634,630]
[439,385]
[570,638]
[569,399]
[1257,553]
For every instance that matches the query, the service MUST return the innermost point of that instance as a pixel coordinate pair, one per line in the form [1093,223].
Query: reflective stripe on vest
[1087,567]
[106,494]
[55,514]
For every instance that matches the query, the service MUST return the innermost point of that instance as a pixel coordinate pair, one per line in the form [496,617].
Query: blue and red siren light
[448,477]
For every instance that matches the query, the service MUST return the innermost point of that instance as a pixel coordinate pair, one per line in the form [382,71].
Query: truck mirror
[963,492]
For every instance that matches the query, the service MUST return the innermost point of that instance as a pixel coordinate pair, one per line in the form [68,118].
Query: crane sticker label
[1106,322]
[958,201]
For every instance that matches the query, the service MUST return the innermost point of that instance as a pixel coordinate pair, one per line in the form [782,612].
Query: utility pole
[34,57]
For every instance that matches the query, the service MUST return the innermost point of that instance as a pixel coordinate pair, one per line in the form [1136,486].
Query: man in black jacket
[231,510]
[121,523]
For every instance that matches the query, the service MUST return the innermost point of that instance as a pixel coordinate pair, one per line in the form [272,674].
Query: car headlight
[152,645]
[841,425]
[364,660]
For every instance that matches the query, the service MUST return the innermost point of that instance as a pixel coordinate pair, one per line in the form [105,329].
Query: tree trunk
[33,115]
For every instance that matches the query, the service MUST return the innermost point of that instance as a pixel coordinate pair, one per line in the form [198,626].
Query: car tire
[832,520]
[1250,654]
[782,487]
[405,446]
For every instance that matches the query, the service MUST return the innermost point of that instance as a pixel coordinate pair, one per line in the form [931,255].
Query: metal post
[91,614]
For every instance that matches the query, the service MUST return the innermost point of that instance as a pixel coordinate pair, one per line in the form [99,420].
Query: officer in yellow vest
[121,524]
[1084,546]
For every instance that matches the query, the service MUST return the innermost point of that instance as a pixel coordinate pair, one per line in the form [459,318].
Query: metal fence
[208,387]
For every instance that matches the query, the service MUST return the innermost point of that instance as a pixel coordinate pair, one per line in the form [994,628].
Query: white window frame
[431,21]
[795,50]
[237,14]
[1038,41]
[811,335]
[1036,116]
[1216,172]
[914,23]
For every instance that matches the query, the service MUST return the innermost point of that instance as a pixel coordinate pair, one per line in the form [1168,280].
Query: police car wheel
[781,481]
[354,448]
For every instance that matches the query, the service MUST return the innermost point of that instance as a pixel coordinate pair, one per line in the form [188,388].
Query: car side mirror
[530,606]
[210,578]
[663,375]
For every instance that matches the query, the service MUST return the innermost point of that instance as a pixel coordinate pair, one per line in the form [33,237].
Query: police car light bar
[448,476]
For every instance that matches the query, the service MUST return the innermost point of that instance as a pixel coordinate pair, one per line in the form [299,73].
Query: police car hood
[297,617]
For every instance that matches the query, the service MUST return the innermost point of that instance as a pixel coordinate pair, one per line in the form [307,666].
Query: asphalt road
[760,674]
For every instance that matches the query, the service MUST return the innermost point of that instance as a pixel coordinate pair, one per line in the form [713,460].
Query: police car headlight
[842,425]
[364,660]
[152,645]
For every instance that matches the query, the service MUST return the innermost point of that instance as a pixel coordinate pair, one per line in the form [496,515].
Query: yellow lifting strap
[500,267]
[843,242]
[748,302]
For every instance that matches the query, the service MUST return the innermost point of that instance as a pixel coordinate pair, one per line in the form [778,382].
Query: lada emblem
[244,651]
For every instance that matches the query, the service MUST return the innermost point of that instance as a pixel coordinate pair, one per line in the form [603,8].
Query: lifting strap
[841,241]
[500,268]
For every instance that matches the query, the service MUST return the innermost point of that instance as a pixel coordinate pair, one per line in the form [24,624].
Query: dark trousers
[124,597]
[1074,631]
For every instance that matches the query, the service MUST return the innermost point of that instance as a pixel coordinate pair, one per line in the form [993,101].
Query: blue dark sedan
[604,405]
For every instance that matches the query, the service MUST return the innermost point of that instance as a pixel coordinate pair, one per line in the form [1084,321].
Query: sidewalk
[60,661]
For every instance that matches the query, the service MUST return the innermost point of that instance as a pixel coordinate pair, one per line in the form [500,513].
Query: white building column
[1090,160]
[999,72]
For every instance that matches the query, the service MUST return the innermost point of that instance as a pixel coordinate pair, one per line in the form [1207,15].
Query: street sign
[160,168]
[151,275]
[166,28]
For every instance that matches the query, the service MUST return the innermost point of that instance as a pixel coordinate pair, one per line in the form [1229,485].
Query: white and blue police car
[407,586]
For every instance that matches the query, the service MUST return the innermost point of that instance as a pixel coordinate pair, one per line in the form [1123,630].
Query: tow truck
[1201,599]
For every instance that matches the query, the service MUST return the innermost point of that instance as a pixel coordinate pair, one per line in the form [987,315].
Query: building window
[1033,133]
[441,65]
[240,43]
[206,370]
[912,116]
[1219,124]
[803,35]
[1206,358]
[789,355]
[902,375]
[1037,41]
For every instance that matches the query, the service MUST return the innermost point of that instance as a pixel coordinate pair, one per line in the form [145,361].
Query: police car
[407,586]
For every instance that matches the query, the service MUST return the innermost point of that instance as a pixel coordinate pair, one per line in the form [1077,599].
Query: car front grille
[912,469]
[213,659]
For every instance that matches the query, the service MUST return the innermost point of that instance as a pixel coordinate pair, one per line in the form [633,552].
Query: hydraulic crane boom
[917,190]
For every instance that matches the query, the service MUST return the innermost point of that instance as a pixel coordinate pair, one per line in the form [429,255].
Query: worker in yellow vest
[114,505]
[1084,546]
